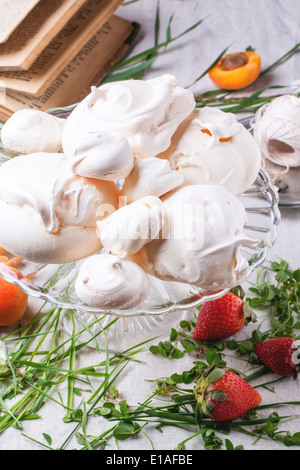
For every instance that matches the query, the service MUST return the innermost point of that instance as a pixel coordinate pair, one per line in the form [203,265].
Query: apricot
[13,303]
[236,70]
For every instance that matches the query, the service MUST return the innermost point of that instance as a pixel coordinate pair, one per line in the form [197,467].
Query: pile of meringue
[138,170]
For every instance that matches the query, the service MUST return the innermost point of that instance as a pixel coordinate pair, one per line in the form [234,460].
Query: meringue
[200,243]
[49,214]
[146,112]
[150,176]
[276,129]
[212,147]
[107,281]
[128,229]
[29,131]
[103,156]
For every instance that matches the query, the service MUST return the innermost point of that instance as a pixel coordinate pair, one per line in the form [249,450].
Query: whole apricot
[13,303]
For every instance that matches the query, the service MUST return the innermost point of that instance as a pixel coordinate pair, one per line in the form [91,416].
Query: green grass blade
[210,67]
[279,61]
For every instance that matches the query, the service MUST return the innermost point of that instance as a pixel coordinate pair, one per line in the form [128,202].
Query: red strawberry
[221,318]
[280,355]
[224,396]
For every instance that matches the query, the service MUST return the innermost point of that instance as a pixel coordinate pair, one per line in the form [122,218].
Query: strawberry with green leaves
[224,396]
[224,317]
[280,355]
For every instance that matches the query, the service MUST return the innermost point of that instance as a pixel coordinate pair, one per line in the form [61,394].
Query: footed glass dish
[55,283]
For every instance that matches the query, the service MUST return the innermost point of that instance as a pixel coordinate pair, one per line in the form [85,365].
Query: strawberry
[223,317]
[280,355]
[224,396]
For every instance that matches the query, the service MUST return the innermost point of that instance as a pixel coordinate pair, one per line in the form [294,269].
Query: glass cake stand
[168,302]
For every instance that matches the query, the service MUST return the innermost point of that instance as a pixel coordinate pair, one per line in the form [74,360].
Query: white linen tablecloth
[272,28]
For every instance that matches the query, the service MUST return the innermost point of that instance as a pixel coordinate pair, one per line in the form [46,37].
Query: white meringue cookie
[29,131]
[200,243]
[128,229]
[212,147]
[276,129]
[150,176]
[50,214]
[107,281]
[103,156]
[146,112]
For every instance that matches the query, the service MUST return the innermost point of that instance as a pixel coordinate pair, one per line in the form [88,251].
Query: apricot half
[236,70]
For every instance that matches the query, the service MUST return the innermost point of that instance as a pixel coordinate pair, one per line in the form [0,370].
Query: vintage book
[12,14]
[35,32]
[87,68]
[62,49]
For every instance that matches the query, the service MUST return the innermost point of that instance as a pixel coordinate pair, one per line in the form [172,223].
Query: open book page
[87,68]
[62,49]
[37,30]
[12,14]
